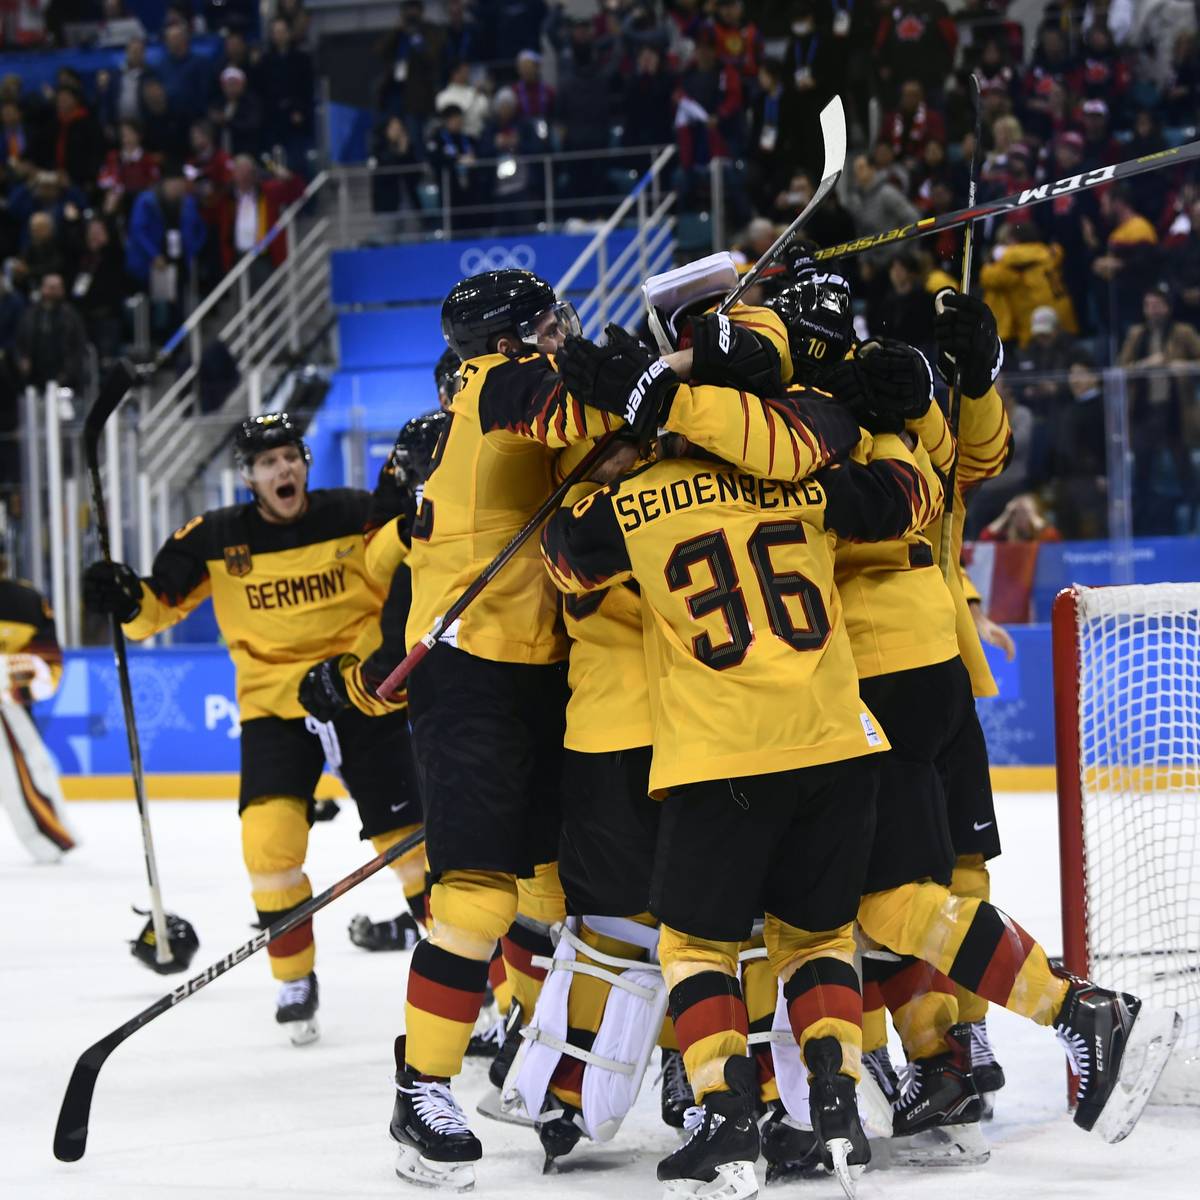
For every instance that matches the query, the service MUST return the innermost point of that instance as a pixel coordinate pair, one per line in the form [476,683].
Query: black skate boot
[558,1131]
[791,1151]
[985,1070]
[491,1104]
[400,933]
[436,1148]
[677,1095]
[833,1110]
[1118,1050]
[718,1158]
[935,1119]
[296,1009]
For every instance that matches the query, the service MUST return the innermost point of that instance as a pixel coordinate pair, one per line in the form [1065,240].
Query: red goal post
[1127,761]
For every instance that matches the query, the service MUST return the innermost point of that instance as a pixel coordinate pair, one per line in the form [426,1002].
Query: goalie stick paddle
[1039,194]
[833,130]
[71,1132]
[946,541]
[116,387]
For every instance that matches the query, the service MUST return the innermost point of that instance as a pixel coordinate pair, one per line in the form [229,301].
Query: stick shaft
[1040,194]
[70,1135]
[946,542]
[109,400]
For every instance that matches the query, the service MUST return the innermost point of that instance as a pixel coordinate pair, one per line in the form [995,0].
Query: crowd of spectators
[145,177]
[1093,280]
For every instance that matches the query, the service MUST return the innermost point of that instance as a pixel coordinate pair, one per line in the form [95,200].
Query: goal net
[1127,733]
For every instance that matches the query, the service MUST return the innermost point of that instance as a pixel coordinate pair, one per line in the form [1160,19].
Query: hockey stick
[115,389]
[947,538]
[1116,173]
[833,129]
[70,1134]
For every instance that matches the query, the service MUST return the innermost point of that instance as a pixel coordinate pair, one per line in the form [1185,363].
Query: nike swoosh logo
[343,552]
[978,827]
[396,807]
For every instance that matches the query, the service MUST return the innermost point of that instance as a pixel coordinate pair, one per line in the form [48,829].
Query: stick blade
[71,1132]
[113,390]
[833,131]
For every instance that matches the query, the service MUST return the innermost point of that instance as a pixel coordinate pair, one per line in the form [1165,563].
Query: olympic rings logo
[497,258]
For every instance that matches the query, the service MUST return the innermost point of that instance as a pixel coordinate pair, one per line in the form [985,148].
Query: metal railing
[481,196]
[617,293]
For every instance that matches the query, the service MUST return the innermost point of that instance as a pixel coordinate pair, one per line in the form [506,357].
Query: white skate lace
[494,1032]
[675,1077]
[436,1106]
[1076,1046]
[910,1083]
[981,1046]
[879,1063]
[295,991]
[693,1121]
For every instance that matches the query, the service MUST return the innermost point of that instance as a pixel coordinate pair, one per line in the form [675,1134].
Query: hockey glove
[323,689]
[625,379]
[729,355]
[851,387]
[965,331]
[112,589]
[898,377]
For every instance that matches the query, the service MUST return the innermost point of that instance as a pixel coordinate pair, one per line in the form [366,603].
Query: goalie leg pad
[633,1014]
[29,787]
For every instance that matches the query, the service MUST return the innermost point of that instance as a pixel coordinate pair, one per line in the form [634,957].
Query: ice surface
[210,1100]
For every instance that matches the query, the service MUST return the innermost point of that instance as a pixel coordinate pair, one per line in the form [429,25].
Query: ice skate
[833,1110]
[436,1147]
[935,1119]
[559,1131]
[296,1009]
[400,933]
[717,1160]
[677,1095]
[987,1073]
[791,1152]
[1118,1049]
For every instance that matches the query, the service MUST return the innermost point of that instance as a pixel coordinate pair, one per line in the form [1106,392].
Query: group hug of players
[700,769]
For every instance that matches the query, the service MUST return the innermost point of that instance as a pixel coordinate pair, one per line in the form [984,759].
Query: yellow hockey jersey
[609,708]
[747,653]
[984,448]
[285,596]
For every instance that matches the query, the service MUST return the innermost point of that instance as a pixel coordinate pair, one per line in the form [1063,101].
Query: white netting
[1139,756]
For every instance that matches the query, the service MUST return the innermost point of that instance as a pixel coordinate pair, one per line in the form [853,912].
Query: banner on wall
[188,716]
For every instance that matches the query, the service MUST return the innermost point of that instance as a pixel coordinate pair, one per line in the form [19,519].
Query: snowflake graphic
[1005,730]
[155,688]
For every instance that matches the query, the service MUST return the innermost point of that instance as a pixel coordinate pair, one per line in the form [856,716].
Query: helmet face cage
[266,432]
[559,320]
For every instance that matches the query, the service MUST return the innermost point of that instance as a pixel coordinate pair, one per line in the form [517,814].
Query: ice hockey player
[973,943]
[352,679]
[737,573]
[287,574]
[30,669]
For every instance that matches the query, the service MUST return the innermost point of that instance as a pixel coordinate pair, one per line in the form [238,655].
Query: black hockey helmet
[817,314]
[265,432]
[181,938]
[412,454]
[444,372]
[482,307]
